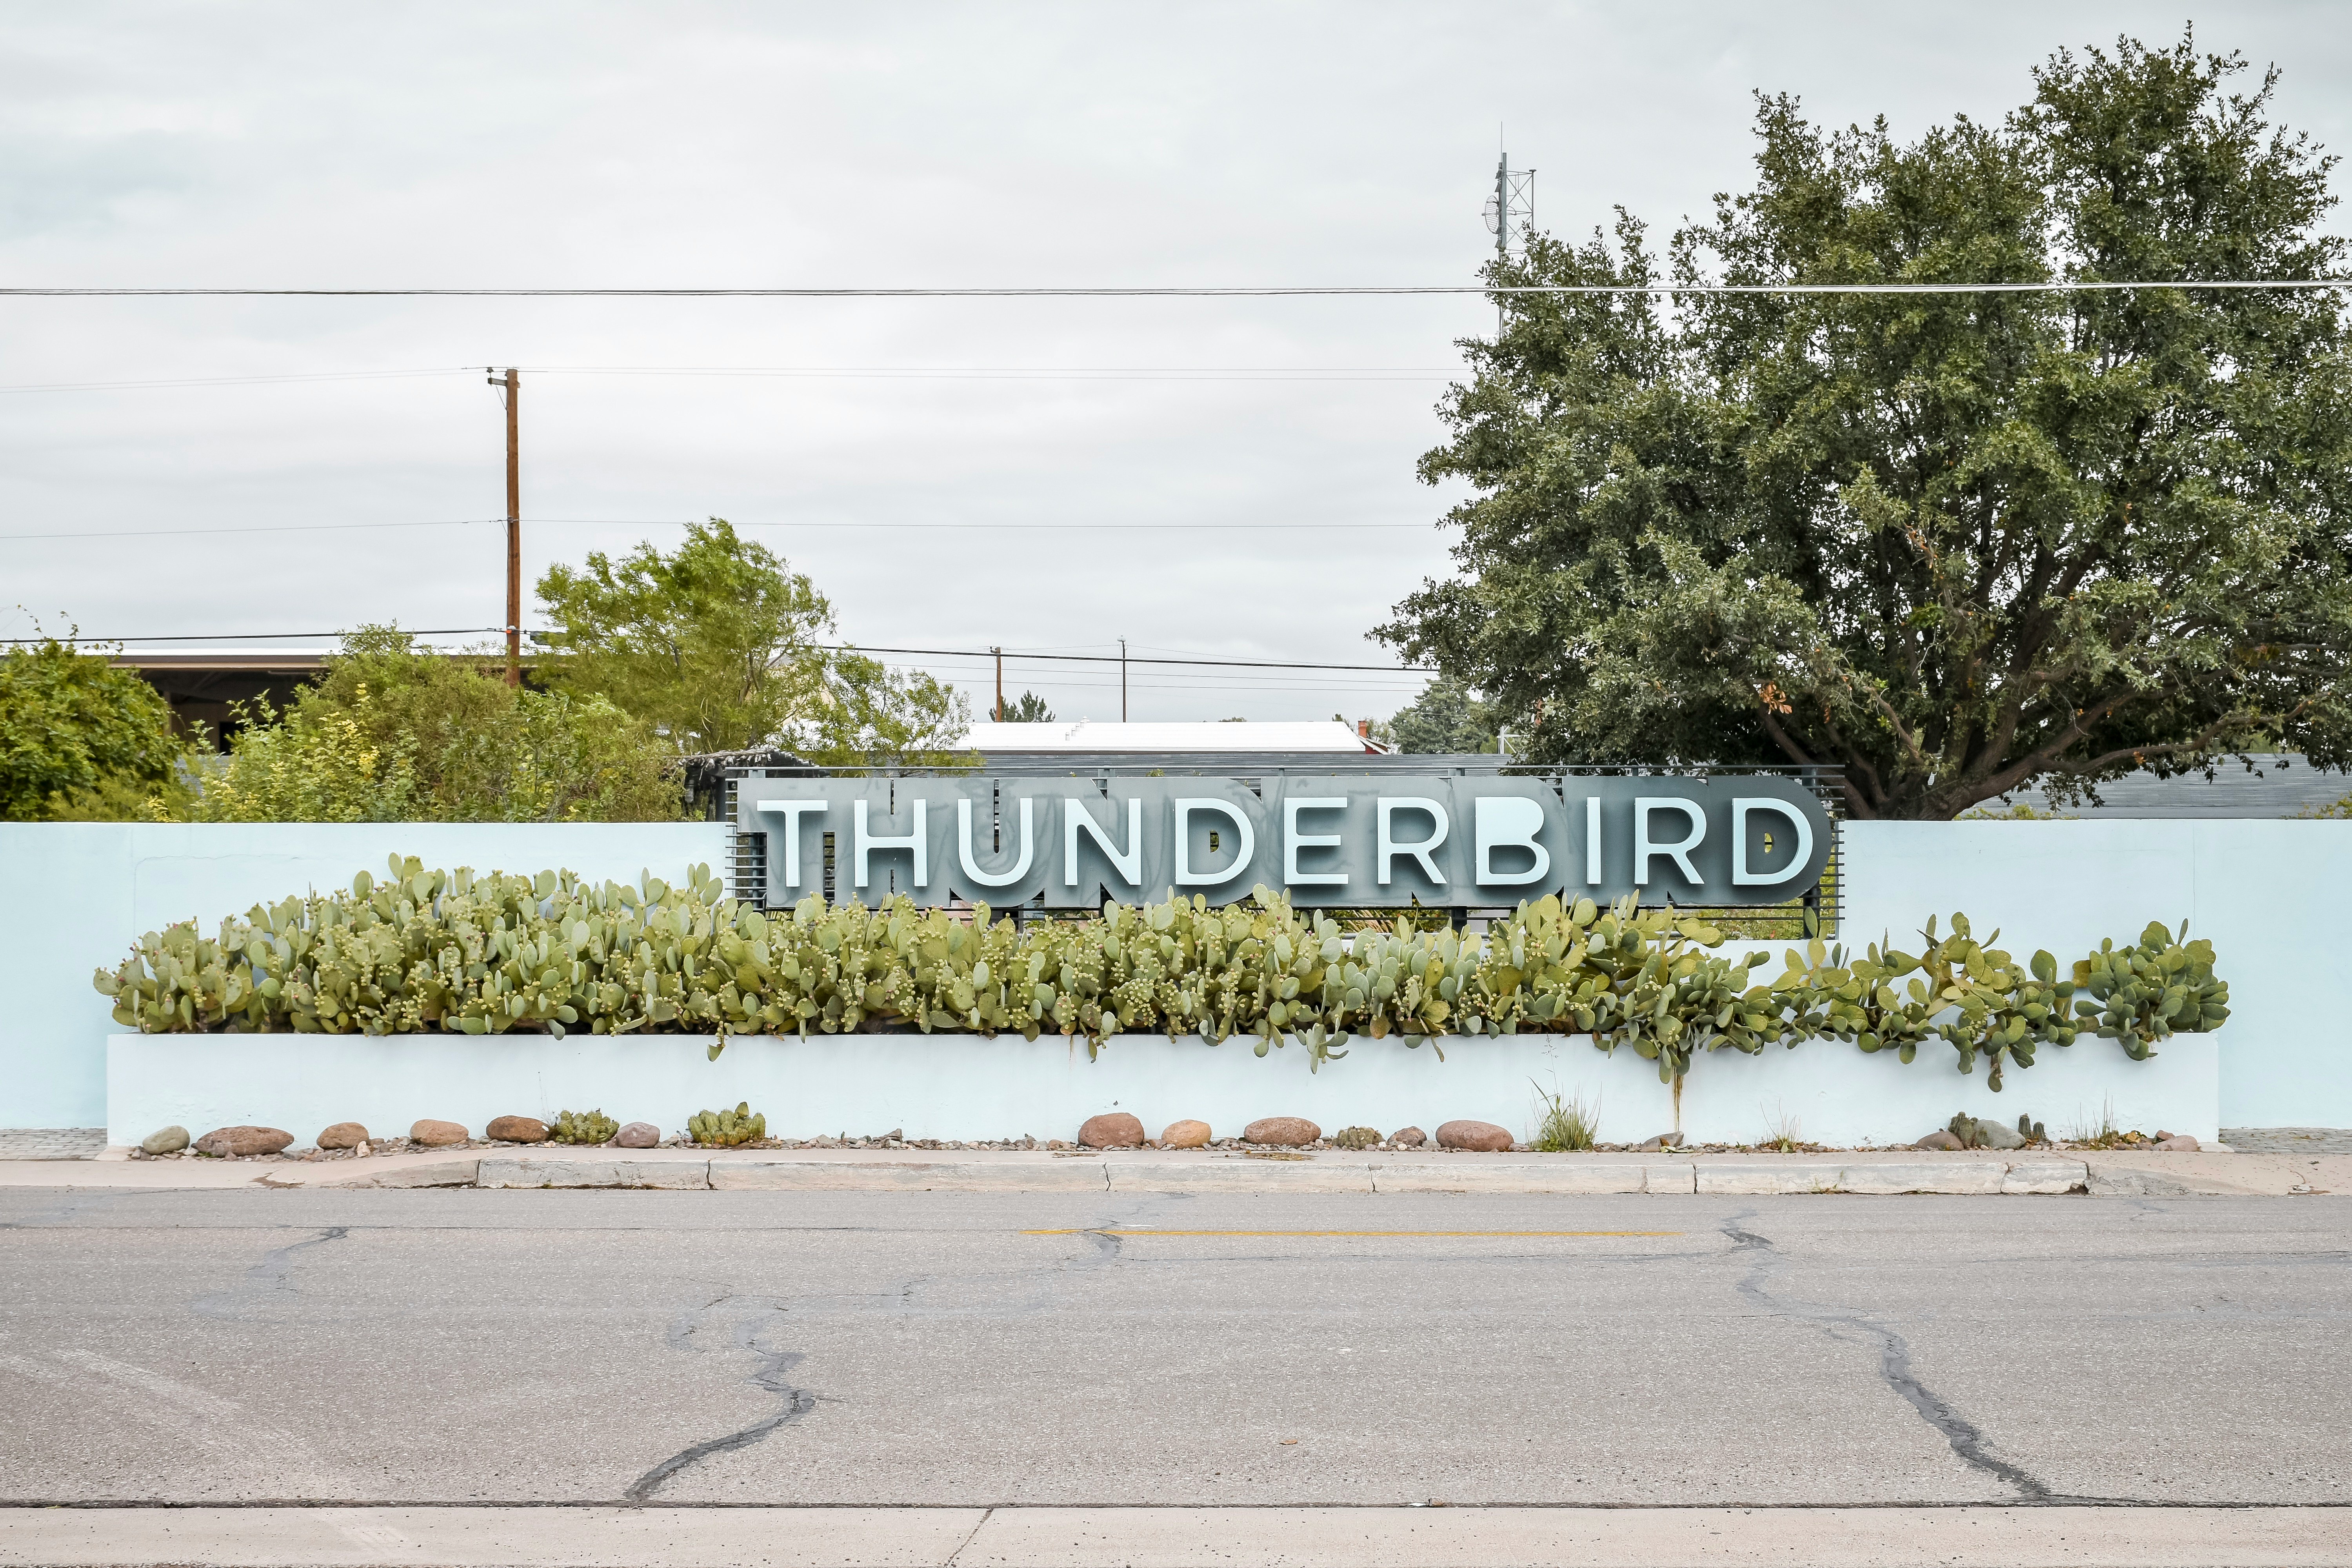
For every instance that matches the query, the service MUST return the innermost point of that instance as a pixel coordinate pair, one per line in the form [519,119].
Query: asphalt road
[676,1348]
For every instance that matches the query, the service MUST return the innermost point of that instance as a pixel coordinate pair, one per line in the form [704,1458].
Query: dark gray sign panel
[1344,840]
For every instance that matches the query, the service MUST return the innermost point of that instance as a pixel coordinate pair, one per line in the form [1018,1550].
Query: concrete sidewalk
[2019,1172]
[1966,1537]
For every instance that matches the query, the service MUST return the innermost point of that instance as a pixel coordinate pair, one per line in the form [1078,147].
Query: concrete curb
[1972,1178]
[1972,1536]
[2120,1174]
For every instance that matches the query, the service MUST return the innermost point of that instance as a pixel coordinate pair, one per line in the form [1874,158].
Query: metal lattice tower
[1511,209]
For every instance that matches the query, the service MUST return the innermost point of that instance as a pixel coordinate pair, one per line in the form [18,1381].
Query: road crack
[755,1320]
[271,1277]
[1894,1360]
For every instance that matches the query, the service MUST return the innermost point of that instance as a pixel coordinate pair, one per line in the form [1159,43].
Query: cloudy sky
[1229,479]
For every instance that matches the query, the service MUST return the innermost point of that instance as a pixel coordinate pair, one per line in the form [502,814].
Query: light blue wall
[74,896]
[2268,894]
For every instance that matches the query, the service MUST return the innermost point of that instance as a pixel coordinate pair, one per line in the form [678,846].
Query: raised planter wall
[74,896]
[964,1087]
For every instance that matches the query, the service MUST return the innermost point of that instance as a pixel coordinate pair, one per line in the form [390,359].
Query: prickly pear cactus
[582,1127]
[727,1128]
[551,953]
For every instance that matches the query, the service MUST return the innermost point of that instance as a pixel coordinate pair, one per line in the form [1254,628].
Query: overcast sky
[1233,478]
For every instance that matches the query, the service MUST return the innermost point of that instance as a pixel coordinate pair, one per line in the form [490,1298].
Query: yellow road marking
[1147,1233]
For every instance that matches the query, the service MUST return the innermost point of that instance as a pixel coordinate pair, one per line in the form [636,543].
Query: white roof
[1241,735]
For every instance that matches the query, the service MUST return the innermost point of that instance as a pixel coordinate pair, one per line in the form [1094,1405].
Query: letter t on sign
[791,811]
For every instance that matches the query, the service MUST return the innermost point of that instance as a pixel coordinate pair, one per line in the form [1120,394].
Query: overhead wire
[1173,291]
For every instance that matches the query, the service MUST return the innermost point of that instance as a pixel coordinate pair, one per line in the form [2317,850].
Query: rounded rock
[1408,1137]
[2178,1143]
[343,1135]
[1939,1138]
[437,1134]
[1476,1137]
[516,1129]
[1282,1132]
[1186,1135]
[1112,1130]
[638,1135]
[165,1141]
[235,1141]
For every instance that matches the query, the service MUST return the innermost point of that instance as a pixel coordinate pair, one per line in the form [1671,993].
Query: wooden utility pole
[512,385]
[1000,683]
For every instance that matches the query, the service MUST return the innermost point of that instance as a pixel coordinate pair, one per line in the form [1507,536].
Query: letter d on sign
[1509,822]
[1741,876]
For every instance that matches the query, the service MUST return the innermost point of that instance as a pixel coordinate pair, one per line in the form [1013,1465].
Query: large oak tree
[1957,543]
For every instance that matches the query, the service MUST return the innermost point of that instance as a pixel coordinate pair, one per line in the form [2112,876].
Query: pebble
[638,1135]
[437,1134]
[343,1135]
[1477,1137]
[1283,1131]
[1111,1129]
[165,1141]
[1939,1138]
[1185,1135]
[516,1129]
[1408,1137]
[240,1142]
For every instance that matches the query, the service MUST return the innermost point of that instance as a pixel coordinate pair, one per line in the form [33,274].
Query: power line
[689,523]
[823,647]
[1178,291]
[1215,373]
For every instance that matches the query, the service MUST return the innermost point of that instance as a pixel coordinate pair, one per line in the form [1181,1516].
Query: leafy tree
[1030,709]
[1445,717]
[717,645]
[396,734]
[78,736]
[1957,543]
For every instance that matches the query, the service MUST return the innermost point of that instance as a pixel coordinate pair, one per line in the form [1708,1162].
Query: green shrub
[727,1128]
[582,1127]
[1564,1126]
[487,954]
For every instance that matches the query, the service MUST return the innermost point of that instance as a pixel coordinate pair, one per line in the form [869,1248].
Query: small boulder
[2178,1143]
[638,1135]
[1658,1144]
[165,1141]
[236,1141]
[1998,1135]
[1282,1132]
[437,1134]
[1939,1138]
[343,1135]
[516,1129]
[1185,1135]
[1476,1137]
[1408,1137]
[1112,1130]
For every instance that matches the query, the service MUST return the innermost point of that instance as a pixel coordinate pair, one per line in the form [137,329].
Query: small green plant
[727,1128]
[1564,1126]
[1355,1138]
[1783,1132]
[582,1127]
[2102,1132]
[2031,1130]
